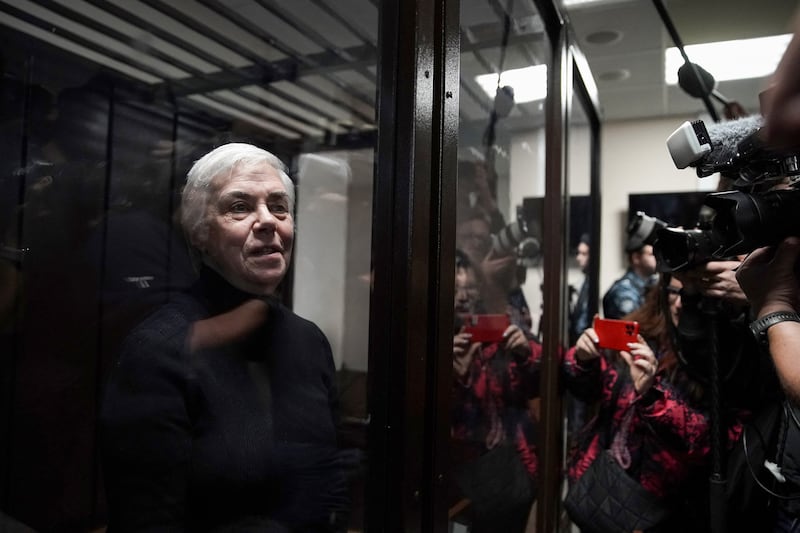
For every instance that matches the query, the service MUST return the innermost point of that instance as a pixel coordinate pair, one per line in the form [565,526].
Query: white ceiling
[639,49]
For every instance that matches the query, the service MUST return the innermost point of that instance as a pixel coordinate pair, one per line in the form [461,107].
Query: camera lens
[677,249]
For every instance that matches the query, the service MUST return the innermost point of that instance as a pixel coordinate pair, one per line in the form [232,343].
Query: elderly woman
[219,413]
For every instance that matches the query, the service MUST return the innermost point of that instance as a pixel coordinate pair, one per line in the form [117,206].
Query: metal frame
[406,250]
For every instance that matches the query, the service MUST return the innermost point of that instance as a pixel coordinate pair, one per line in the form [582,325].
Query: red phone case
[486,328]
[615,334]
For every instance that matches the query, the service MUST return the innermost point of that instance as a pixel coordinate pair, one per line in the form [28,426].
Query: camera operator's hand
[586,345]
[498,268]
[498,276]
[642,363]
[768,277]
[715,279]
[463,353]
[516,342]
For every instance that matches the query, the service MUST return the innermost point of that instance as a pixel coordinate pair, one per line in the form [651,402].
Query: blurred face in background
[644,261]
[582,256]
[674,299]
[467,291]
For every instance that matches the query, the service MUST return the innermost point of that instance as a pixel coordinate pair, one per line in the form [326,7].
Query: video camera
[522,238]
[743,219]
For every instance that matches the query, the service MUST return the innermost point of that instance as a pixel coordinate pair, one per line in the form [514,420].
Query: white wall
[635,160]
[332,250]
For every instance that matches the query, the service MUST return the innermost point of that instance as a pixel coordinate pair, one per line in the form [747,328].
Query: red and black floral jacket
[668,438]
[490,405]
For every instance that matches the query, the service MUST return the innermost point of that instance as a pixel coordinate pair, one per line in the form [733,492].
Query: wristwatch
[759,327]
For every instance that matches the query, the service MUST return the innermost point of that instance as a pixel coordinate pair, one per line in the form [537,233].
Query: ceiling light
[615,75]
[529,83]
[604,37]
[730,60]
[582,3]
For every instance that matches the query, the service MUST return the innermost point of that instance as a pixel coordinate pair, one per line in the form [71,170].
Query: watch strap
[759,327]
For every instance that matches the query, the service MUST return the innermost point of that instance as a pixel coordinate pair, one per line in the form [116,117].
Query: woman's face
[251,228]
[467,291]
[674,297]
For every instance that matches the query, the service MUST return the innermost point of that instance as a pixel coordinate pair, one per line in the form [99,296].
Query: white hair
[218,162]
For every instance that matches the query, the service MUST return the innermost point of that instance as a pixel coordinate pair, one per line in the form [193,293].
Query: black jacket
[240,438]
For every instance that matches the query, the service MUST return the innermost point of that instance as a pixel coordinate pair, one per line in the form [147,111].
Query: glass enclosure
[425,142]
[505,57]
[105,107]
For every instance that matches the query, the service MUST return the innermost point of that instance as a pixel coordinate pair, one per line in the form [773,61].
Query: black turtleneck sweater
[239,438]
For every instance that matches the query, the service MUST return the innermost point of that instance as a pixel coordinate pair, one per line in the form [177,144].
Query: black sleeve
[146,435]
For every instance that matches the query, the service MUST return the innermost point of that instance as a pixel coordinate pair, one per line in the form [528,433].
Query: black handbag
[497,482]
[605,499]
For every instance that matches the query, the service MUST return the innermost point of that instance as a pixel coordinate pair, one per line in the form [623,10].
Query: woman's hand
[463,353]
[516,342]
[642,363]
[586,345]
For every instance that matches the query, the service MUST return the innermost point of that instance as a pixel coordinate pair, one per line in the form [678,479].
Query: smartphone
[486,328]
[615,334]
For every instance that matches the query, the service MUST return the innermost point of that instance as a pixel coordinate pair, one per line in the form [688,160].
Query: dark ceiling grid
[352,28]
[326,64]
[288,112]
[116,35]
[243,76]
[86,43]
[167,36]
[288,70]
[469,84]
[219,105]
[312,34]
[336,84]
[513,30]
[343,56]
[309,62]
[234,74]
[281,119]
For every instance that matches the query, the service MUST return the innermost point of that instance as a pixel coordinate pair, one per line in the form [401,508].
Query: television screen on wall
[674,208]
[580,216]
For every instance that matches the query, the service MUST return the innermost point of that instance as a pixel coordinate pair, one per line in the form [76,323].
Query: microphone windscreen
[726,136]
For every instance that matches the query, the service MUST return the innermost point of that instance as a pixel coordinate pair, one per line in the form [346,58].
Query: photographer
[652,420]
[714,320]
[493,434]
[769,278]
[496,270]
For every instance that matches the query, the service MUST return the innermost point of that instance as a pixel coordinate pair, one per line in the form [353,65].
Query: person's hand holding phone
[642,363]
[586,347]
[463,352]
[516,341]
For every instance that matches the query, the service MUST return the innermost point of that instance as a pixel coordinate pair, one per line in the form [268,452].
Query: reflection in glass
[577,412]
[106,106]
[496,349]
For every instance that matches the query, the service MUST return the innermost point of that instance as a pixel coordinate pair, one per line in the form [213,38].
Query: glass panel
[581,260]
[225,408]
[498,277]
